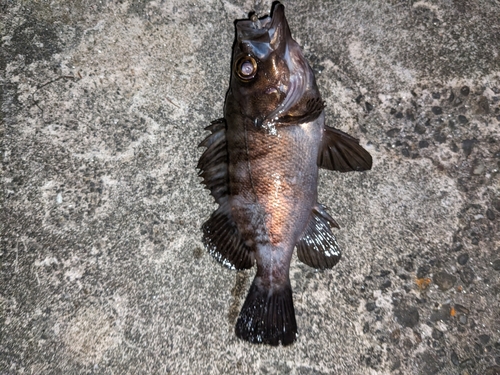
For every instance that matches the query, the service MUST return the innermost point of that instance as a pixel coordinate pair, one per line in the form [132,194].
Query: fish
[261,163]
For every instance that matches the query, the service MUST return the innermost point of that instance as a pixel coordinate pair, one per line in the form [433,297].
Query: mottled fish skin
[261,165]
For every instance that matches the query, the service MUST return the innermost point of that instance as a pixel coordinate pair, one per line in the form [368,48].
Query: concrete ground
[102,269]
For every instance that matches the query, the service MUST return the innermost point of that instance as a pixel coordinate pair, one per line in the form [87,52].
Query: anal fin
[318,246]
[223,240]
[341,152]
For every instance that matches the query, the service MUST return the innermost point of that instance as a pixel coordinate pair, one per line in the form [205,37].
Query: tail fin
[268,316]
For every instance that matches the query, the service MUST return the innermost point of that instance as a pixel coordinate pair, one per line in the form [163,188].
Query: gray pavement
[102,269]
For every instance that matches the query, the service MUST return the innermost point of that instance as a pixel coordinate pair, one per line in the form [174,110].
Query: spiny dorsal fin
[318,246]
[213,162]
[341,152]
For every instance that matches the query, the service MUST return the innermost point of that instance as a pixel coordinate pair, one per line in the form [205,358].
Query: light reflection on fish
[261,165]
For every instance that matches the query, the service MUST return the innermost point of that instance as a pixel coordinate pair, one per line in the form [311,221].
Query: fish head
[270,77]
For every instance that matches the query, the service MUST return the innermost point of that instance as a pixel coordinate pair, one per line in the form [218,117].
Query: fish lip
[278,17]
[256,28]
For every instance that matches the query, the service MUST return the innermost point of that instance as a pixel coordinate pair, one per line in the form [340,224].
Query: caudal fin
[267,316]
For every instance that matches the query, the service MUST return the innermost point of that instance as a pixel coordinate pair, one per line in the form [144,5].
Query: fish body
[261,165]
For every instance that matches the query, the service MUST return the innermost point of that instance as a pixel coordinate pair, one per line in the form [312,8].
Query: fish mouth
[271,34]
[263,35]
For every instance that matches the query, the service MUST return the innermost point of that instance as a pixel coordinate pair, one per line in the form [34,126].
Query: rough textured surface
[102,266]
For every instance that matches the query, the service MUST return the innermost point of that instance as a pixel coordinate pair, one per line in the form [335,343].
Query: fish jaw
[283,78]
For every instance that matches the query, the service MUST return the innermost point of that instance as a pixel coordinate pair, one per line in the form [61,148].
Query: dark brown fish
[261,165]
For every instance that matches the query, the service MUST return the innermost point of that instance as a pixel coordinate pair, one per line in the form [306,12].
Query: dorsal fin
[213,162]
[220,233]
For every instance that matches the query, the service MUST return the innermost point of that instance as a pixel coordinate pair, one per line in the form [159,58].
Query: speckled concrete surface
[102,265]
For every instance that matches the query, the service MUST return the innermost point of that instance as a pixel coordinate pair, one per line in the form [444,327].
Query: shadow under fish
[261,166]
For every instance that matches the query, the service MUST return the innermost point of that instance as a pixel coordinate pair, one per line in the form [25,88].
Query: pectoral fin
[318,246]
[341,152]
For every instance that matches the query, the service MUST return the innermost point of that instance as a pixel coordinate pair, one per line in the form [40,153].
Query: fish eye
[246,67]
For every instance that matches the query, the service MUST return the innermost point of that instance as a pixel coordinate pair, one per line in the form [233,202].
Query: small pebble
[457,102]
[462,119]
[370,306]
[392,133]
[436,334]
[439,137]
[478,169]
[407,316]
[496,203]
[420,128]
[437,110]
[472,323]
[366,327]
[467,146]
[454,358]
[483,105]
[454,147]
[465,90]
[409,266]
[484,339]
[463,259]
[444,280]
[423,271]
[395,335]
[461,309]
[442,314]
[467,275]
[385,285]
[409,115]
[463,319]
[423,144]
[496,265]
[490,214]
